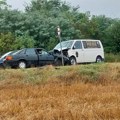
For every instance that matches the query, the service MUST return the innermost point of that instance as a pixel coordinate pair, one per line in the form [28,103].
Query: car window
[78,45]
[44,52]
[30,51]
[18,52]
[41,52]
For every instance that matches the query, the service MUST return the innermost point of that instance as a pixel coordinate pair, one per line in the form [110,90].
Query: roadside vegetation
[110,57]
[37,26]
[71,92]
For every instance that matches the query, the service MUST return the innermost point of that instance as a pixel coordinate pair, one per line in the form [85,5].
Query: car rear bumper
[10,63]
[2,65]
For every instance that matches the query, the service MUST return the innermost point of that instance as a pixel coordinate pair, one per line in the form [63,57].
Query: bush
[24,41]
[7,42]
[110,57]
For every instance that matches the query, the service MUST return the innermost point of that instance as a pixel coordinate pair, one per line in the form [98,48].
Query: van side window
[91,44]
[84,44]
[98,44]
[78,45]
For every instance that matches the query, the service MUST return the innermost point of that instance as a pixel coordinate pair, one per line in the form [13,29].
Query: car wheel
[22,64]
[58,62]
[73,61]
[99,59]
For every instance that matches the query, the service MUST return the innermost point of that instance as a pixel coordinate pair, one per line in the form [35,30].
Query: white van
[82,50]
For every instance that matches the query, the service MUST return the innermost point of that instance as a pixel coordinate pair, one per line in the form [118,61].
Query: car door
[31,56]
[78,51]
[44,57]
[50,58]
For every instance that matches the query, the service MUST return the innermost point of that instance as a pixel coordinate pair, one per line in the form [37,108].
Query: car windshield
[3,56]
[65,44]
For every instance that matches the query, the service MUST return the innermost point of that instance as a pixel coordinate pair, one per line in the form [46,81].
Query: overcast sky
[110,8]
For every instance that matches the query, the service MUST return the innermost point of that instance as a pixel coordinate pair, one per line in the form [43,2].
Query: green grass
[112,57]
[86,73]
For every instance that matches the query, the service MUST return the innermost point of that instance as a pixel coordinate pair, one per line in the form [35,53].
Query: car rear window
[18,52]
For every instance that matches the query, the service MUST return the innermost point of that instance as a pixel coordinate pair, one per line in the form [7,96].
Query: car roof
[82,40]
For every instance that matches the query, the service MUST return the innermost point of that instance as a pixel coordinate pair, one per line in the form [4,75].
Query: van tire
[73,61]
[99,59]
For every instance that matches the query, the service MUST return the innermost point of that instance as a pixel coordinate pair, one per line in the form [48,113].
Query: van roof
[83,40]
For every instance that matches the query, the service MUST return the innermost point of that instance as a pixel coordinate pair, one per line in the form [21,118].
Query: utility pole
[59,36]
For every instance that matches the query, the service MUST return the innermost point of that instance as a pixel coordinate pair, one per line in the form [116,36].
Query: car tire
[99,59]
[22,65]
[73,61]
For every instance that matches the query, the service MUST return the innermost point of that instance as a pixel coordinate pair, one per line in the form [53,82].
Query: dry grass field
[83,92]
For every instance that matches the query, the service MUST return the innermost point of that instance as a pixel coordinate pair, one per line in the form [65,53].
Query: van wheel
[73,61]
[22,64]
[99,59]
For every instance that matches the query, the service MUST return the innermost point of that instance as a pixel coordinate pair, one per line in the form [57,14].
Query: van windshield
[65,44]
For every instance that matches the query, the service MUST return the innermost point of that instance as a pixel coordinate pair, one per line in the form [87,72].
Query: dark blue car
[29,57]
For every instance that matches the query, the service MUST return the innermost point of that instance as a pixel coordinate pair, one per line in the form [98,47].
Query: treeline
[36,27]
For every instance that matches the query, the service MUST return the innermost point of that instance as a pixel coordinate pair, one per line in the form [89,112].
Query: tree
[24,41]
[6,42]
[3,5]
[40,21]
[12,21]
[113,37]
[44,17]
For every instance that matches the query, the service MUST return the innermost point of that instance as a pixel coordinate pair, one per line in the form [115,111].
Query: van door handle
[76,54]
